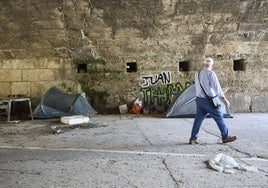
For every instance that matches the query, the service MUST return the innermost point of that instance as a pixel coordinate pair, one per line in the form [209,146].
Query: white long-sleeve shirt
[210,84]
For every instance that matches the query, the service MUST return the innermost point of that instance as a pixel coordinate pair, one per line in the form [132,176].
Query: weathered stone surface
[10,75]
[21,88]
[260,103]
[5,89]
[240,103]
[39,88]
[38,75]
[5,65]
[51,35]
[21,64]
[53,63]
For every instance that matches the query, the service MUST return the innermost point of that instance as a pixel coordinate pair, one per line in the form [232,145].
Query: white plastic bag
[226,164]
[138,101]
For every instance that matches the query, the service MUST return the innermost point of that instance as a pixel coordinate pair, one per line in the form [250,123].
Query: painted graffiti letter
[162,95]
[163,77]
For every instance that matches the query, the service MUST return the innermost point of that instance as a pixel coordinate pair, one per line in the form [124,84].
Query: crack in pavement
[176,182]
[37,173]
[146,138]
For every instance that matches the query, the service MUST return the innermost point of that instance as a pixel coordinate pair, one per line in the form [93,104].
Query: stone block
[8,54]
[50,33]
[19,54]
[53,63]
[229,27]
[10,75]
[38,75]
[48,24]
[250,27]
[223,6]
[69,86]
[239,102]
[5,89]
[74,23]
[39,63]
[21,64]
[39,88]
[195,29]
[57,42]
[57,24]
[42,24]
[2,56]
[67,64]
[61,74]
[260,103]
[39,44]
[41,53]
[20,88]
[5,64]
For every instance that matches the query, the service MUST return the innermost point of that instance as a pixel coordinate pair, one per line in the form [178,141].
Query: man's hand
[227,103]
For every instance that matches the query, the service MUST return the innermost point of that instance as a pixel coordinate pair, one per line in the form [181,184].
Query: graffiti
[162,95]
[163,77]
[151,93]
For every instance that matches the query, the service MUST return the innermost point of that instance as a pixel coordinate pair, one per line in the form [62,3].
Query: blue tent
[56,103]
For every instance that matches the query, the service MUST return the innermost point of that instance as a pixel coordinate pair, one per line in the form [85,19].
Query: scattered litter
[226,164]
[74,120]
[136,107]
[123,109]
[15,121]
[56,130]
[138,101]
[146,109]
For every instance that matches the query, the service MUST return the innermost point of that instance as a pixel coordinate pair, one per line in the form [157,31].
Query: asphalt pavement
[128,150]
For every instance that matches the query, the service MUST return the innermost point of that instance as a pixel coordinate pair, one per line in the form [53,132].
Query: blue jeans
[203,107]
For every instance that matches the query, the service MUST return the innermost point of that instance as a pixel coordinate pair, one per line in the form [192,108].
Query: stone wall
[32,77]
[166,39]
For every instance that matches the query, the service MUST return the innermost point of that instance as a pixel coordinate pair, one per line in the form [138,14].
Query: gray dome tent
[184,105]
[56,103]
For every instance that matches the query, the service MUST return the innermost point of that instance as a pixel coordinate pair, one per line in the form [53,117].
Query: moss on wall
[93,82]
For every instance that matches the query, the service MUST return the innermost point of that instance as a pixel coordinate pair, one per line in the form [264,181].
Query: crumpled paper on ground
[226,164]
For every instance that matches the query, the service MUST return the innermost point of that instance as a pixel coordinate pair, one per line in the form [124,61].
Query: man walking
[207,84]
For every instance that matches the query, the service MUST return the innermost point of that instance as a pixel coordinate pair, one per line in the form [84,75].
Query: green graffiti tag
[162,95]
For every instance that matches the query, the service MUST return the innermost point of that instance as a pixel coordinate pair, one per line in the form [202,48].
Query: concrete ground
[131,151]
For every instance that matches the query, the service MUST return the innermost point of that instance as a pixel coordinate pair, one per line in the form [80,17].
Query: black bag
[214,101]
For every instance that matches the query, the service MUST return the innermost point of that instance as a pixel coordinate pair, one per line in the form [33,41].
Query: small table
[10,100]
